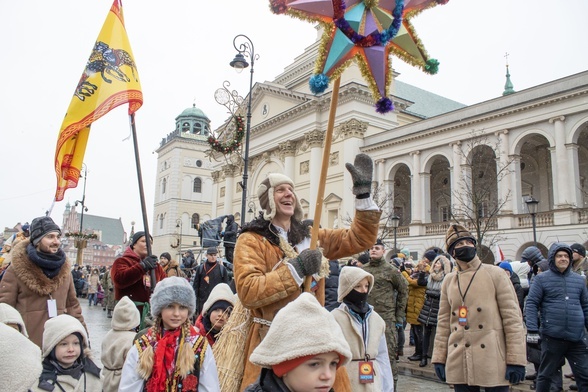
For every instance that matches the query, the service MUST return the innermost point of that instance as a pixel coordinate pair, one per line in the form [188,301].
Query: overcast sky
[182,49]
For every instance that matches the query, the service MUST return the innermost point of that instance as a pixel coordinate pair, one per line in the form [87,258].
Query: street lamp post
[81,242]
[395,222]
[532,205]
[239,63]
[180,226]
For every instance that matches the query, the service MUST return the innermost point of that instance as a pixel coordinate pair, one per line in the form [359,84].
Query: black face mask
[357,301]
[465,253]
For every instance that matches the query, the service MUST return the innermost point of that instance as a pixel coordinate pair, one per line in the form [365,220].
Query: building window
[163,186]
[197,128]
[197,185]
[161,221]
[198,163]
[195,220]
[186,127]
[444,214]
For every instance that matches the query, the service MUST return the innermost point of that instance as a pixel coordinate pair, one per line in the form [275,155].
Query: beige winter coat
[26,288]
[477,353]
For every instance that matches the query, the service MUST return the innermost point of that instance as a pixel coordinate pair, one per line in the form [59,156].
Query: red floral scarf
[164,360]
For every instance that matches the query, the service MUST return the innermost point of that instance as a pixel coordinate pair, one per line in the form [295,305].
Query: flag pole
[142,195]
[323,177]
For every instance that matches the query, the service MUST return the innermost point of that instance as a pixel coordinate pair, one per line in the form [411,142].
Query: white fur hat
[173,290]
[349,277]
[301,328]
[265,194]
[9,315]
[220,292]
[21,361]
[60,327]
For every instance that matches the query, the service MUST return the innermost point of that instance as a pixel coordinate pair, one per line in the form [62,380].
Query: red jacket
[129,277]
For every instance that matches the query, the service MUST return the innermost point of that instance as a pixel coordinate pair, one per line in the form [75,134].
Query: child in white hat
[172,355]
[67,363]
[364,330]
[215,312]
[302,350]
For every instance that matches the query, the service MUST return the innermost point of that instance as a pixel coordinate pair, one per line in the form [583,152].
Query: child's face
[219,317]
[316,374]
[68,350]
[174,315]
[362,286]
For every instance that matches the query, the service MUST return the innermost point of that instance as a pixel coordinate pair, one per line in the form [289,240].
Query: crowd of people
[315,322]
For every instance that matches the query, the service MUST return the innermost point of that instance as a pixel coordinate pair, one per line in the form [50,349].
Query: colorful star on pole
[367,31]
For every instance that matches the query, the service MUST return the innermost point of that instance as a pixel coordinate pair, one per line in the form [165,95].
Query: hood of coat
[60,327]
[21,360]
[32,275]
[173,263]
[125,316]
[9,315]
[553,249]
[262,227]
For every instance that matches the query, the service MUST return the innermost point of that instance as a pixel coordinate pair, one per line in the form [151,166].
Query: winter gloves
[515,373]
[361,173]
[308,262]
[149,263]
[533,337]
[440,371]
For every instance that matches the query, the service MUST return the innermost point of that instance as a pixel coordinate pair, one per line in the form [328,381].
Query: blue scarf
[50,263]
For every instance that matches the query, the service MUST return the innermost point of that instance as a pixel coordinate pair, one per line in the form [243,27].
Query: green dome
[193,112]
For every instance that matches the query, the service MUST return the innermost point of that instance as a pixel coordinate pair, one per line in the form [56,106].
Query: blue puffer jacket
[560,298]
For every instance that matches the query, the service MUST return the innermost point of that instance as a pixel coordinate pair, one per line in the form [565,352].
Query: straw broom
[229,349]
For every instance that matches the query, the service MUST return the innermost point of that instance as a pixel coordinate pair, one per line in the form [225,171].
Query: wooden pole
[323,177]
[142,196]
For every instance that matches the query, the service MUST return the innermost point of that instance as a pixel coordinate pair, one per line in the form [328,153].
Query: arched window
[197,185]
[197,128]
[163,186]
[186,127]
[195,220]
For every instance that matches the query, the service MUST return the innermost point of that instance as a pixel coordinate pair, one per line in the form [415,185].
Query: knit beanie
[9,315]
[532,254]
[125,315]
[137,236]
[301,328]
[60,327]
[21,361]
[171,290]
[579,249]
[349,277]
[456,233]
[430,255]
[506,266]
[265,194]
[166,255]
[220,292]
[42,226]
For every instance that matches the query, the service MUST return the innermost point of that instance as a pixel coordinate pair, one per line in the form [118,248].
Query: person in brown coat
[272,255]
[480,338]
[39,283]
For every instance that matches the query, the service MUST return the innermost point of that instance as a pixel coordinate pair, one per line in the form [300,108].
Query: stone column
[416,186]
[230,188]
[426,200]
[352,133]
[287,152]
[560,182]
[515,185]
[575,192]
[503,169]
[456,175]
[315,141]
[379,180]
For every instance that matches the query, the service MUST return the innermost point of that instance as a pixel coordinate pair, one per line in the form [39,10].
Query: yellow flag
[110,79]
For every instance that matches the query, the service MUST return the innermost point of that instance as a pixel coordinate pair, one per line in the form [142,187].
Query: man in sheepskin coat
[480,339]
[39,273]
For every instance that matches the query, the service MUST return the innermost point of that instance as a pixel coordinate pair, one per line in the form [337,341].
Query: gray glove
[533,337]
[308,262]
[149,263]
[361,173]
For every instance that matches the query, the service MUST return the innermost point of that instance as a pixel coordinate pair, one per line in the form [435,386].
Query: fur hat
[456,233]
[579,249]
[349,277]
[42,226]
[9,315]
[171,290]
[265,194]
[301,328]
[60,327]
[21,361]
[125,316]
[220,292]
